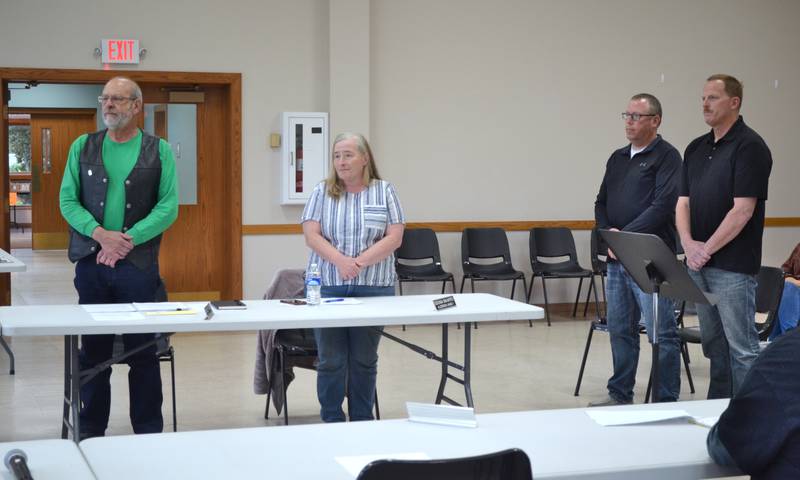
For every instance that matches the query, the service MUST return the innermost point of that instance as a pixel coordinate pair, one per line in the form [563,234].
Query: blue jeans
[788,311]
[625,303]
[124,283]
[727,329]
[348,357]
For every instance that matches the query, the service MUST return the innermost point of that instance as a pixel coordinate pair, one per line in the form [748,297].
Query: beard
[116,120]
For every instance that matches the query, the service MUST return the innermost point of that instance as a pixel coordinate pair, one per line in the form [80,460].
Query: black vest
[141,195]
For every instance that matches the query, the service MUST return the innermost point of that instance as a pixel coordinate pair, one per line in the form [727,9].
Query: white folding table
[72,321]
[49,460]
[559,443]
[9,264]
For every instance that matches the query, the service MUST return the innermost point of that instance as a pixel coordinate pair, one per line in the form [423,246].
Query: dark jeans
[124,283]
[348,356]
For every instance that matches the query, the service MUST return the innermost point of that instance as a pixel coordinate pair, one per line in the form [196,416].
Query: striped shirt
[353,223]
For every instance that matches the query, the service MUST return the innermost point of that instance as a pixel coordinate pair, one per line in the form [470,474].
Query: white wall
[478,110]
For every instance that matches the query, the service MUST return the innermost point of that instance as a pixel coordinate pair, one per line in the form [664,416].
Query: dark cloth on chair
[760,429]
[288,283]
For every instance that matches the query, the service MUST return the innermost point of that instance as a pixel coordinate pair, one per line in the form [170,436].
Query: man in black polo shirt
[720,219]
[638,194]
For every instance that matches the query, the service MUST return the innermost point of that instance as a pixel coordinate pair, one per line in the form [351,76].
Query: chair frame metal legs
[589,293]
[592,287]
[169,356]
[11,354]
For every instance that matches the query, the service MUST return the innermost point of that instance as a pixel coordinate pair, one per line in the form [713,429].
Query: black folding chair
[485,245]
[512,464]
[418,260]
[420,244]
[546,246]
[598,249]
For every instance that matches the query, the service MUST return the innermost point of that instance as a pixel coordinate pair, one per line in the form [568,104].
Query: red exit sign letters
[116,50]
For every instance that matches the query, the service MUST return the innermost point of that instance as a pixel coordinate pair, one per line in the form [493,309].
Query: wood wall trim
[509,226]
[89,112]
[55,75]
[782,222]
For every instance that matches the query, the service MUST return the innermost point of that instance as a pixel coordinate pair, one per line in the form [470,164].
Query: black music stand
[656,270]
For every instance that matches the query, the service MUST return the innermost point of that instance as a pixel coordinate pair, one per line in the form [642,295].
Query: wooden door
[201,254]
[52,133]
[194,258]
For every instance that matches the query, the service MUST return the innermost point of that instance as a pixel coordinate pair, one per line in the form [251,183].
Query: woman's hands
[348,267]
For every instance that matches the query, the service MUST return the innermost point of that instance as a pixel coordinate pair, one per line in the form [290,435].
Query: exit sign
[116,50]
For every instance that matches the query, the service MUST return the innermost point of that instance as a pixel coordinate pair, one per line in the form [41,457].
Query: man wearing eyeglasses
[720,217]
[638,194]
[119,194]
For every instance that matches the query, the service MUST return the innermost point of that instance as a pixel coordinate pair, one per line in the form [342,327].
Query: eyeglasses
[636,116]
[113,99]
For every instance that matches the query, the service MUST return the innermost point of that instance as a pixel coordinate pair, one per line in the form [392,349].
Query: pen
[331,300]
[172,312]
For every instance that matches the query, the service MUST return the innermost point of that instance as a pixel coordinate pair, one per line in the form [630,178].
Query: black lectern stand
[656,270]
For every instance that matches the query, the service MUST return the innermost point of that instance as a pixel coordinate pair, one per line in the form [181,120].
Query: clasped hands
[114,246]
[696,254]
[348,267]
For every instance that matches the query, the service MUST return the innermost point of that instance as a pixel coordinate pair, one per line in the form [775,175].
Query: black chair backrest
[598,249]
[551,243]
[418,244]
[512,464]
[484,243]
[768,297]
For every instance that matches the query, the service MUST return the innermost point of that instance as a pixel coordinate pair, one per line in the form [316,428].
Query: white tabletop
[10,264]
[560,444]
[49,460]
[270,314]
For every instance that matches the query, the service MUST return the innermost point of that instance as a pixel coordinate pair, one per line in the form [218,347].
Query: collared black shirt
[639,194]
[738,165]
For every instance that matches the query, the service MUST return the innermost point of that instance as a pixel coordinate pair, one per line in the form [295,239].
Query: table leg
[65,425]
[10,354]
[72,389]
[468,364]
[443,379]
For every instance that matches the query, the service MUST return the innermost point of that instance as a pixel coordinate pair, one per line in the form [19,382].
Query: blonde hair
[333,183]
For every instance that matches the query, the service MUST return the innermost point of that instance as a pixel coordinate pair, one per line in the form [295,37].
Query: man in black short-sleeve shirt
[720,219]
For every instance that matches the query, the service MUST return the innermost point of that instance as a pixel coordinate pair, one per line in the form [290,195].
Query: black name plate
[444,302]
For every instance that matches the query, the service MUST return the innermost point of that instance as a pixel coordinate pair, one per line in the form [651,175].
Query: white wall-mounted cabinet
[304,155]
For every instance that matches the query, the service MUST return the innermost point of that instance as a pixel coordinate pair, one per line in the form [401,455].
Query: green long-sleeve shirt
[118,160]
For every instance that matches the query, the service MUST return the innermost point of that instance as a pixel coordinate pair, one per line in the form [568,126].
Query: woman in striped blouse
[353,223]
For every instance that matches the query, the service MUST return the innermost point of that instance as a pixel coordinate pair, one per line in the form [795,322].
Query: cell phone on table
[293,301]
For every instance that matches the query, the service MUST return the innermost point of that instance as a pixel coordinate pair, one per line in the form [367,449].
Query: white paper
[117,316]
[341,301]
[160,306]
[109,307]
[354,464]
[609,418]
[448,415]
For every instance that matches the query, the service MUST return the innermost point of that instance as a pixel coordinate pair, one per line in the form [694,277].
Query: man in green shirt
[119,194]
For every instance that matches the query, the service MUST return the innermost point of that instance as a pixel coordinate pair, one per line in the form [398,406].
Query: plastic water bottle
[313,285]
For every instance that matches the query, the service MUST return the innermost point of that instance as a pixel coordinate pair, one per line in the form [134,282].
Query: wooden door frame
[232,85]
